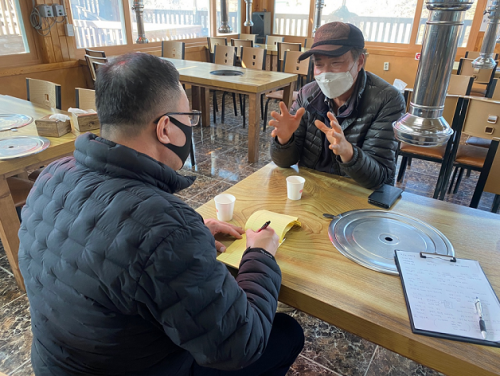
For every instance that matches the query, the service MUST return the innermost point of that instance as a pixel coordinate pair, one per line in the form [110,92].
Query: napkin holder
[86,122]
[52,128]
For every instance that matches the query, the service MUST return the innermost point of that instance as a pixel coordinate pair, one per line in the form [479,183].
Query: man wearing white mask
[341,123]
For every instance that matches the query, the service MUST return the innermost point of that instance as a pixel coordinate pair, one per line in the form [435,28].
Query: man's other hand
[218,227]
[285,124]
[266,239]
[335,135]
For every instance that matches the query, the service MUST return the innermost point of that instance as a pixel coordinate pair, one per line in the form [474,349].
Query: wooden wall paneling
[54,37]
[127,10]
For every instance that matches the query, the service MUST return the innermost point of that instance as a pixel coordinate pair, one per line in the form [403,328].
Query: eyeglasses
[194,116]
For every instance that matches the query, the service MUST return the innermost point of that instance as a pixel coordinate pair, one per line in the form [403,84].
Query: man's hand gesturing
[285,124]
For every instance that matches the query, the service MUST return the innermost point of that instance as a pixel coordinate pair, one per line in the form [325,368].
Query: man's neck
[340,101]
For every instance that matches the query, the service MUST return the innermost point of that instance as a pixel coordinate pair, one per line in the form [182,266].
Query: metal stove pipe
[485,59]
[138,7]
[424,124]
[224,18]
[248,21]
[319,8]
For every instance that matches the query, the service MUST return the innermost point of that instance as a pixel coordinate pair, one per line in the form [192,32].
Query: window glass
[234,12]
[12,35]
[291,17]
[98,23]
[464,33]
[174,19]
[385,21]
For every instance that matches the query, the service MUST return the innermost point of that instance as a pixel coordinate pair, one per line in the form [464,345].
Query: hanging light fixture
[424,124]
[224,27]
[138,7]
[485,59]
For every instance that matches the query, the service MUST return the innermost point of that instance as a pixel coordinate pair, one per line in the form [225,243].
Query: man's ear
[162,130]
[361,61]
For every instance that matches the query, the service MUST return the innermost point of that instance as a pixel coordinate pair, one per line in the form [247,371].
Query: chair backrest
[308,42]
[90,63]
[225,55]
[239,43]
[212,42]
[460,85]
[481,76]
[249,37]
[95,53]
[475,54]
[493,181]
[44,93]
[173,49]
[253,58]
[494,92]
[284,47]
[291,63]
[273,40]
[95,66]
[85,99]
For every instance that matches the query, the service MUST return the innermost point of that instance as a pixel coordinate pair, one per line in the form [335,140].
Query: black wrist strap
[261,250]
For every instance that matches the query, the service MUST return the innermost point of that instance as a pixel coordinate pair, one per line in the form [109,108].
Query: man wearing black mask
[121,274]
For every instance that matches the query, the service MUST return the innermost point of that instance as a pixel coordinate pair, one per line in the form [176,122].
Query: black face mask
[182,151]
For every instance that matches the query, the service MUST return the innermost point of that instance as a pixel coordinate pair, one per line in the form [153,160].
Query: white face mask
[333,85]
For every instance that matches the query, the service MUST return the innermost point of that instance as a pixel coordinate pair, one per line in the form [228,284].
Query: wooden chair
[272,40]
[44,93]
[252,58]
[85,99]
[239,44]
[94,53]
[291,64]
[91,60]
[458,87]
[308,42]
[173,49]
[475,54]
[19,190]
[284,47]
[212,42]
[482,77]
[249,37]
[224,55]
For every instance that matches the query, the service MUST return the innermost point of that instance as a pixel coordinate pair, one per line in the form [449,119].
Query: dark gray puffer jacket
[122,275]
[368,129]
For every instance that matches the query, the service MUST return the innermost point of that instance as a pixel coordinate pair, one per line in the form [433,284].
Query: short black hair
[132,90]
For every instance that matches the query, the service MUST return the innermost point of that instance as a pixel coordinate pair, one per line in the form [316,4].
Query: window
[386,21]
[464,33]
[173,19]
[98,23]
[12,36]
[291,17]
[234,12]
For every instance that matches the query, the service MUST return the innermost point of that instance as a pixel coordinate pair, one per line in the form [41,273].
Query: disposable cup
[294,187]
[224,204]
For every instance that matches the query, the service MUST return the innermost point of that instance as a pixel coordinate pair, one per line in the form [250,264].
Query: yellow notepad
[281,223]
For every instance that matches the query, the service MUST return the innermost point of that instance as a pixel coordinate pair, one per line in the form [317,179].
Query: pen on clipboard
[479,309]
[264,226]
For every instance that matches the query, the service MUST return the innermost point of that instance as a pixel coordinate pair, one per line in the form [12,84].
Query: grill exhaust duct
[248,21]
[319,9]
[424,124]
[224,27]
[138,7]
[485,59]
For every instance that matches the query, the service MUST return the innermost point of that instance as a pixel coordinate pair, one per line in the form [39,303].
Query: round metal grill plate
[21,146]
[369,237]
[9,121]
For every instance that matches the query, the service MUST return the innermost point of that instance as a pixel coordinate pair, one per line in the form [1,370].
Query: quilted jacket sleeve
[375,162]
[222,321]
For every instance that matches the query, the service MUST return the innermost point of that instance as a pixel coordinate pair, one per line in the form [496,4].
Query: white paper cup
[224,204]
[294,187]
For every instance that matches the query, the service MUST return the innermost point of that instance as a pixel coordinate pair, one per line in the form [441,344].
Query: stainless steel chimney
[248,20]
[138,7]
[224,18]
[424,125]
[319,8]
[485,59]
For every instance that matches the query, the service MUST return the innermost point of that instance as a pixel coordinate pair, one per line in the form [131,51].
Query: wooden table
[59,147]
[252,83]
[320,281]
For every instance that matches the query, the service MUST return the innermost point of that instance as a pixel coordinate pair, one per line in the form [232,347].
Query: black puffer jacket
[368,129]
[122,275]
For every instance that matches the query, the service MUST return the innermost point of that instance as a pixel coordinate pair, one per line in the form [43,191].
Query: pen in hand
[479,309]
[264,226]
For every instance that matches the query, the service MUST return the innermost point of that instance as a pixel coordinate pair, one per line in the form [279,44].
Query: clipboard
[440,292]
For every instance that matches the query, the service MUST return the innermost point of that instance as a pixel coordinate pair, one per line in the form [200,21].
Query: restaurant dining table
[205,76]
[317,279]
[59,147]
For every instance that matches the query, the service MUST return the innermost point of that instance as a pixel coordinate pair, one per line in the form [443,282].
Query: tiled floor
[221,162]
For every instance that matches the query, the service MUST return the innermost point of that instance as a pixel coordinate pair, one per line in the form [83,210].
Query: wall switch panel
[58,10]
[45,11]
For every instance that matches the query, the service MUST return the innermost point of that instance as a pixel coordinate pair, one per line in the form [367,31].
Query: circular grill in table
[22,146]
[369,237]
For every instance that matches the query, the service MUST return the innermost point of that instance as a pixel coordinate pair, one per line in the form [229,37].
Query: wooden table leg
[483,177]
[253,127]
[201,101]
[9,227]
[288,95]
